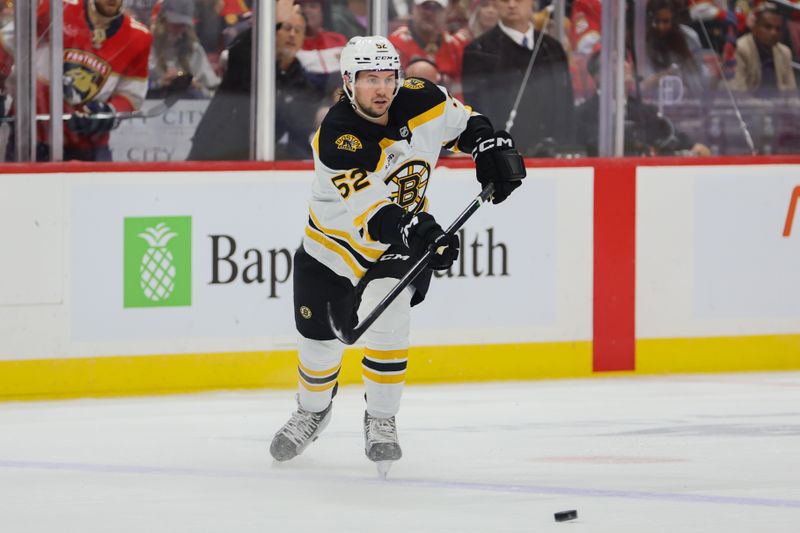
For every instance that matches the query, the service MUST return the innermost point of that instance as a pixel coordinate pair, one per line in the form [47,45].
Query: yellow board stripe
[336,248]
[318,373]
[317,388]
[384,378]
[180,373]
[367,252]
[386,355]
[718,354]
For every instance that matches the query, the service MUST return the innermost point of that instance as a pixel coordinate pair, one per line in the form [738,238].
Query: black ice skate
[302,429]
[380,442]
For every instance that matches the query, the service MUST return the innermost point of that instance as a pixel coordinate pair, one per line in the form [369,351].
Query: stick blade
[346,336]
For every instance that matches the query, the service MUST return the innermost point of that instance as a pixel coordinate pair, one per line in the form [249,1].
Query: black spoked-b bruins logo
[411,180]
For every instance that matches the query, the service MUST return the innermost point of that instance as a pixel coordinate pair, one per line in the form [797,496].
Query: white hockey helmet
[368,53]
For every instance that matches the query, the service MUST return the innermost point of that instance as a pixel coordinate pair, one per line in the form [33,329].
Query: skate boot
[380,442]
[302,429]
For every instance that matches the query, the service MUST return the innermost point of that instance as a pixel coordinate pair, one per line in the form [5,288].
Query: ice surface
[699,453]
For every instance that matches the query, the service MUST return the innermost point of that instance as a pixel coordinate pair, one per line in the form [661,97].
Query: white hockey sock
[386,353]
[318,372]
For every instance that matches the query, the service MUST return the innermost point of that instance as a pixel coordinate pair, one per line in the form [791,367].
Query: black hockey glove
[421,233]
[82,122]
[498,162]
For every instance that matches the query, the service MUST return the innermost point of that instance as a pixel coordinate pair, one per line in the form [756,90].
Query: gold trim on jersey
[368,253]
[361,220]
[427,116]
[315,141]
[336,248]
[384,144]
[384,378]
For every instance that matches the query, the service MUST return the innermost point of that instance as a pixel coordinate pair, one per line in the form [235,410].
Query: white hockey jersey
[362,166]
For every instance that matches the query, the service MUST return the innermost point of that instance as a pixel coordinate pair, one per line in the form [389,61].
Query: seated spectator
[425,36]
[224,131]
[482,18]
[646,132]
[422,67]
[350,18]
[321,48]
[672,49]
[763,64]
[494,70]
[176,50]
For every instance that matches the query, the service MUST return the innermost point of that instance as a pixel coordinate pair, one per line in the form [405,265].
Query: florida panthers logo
[84,76]
[411,180]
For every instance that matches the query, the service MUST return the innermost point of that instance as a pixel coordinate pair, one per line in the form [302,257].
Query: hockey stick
[349,336]
[174,92]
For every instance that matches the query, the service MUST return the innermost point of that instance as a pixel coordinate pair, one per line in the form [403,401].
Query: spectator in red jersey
[321,48]
[105,73]
[425,36]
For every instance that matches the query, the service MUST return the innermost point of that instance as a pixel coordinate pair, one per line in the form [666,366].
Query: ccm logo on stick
[787,228]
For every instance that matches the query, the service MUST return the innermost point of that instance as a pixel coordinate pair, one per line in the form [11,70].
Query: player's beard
[105,12]
[370,111]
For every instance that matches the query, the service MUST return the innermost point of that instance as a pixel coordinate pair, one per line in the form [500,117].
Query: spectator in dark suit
[494,68]
[224,131]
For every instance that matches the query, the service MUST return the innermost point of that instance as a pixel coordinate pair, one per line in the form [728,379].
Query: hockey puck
[563,516]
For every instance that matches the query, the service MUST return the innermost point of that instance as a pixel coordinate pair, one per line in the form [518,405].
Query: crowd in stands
[698,56]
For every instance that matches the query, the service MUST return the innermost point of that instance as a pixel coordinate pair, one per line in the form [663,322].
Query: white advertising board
[525,273]
[711,256]
[141,263]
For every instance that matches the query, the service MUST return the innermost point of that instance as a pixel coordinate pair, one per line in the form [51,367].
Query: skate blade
[383,468]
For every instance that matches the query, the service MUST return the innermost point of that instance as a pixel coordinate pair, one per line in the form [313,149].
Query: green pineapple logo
[158,262]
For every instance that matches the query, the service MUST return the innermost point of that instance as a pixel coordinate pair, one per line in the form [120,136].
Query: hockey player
[368,223]
[105,71]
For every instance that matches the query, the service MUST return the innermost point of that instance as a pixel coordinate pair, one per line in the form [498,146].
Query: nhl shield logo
[348,142]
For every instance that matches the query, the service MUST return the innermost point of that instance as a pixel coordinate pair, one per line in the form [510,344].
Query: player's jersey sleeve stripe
[362,220]
[315,142]
[427,116]
[336,248]
[349,243]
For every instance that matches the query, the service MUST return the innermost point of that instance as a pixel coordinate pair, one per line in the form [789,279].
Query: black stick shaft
[349,337]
